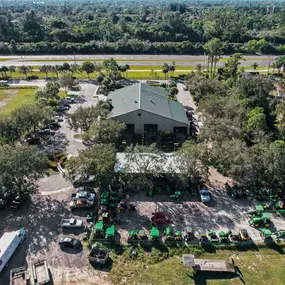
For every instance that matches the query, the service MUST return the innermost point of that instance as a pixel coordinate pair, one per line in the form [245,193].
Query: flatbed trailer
[19,276]
[40,273]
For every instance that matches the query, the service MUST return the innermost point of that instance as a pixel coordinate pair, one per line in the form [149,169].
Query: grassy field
[117,59]
[17,98]
[258,267]
[3,95]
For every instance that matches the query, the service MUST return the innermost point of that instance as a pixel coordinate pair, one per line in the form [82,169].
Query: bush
[32,77]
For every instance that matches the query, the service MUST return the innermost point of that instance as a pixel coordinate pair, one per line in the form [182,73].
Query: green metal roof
[148,98]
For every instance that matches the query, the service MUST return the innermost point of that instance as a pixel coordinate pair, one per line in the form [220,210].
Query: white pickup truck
[71,223]
[8,244]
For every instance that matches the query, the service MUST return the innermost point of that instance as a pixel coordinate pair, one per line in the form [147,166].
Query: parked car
[18,201]
[65,106]
[205,195]
[80,204]
[71,223]
[81,181]
[46,132]
[32,141]
[59,118]
[69,100]
[83,195]
[62,108]
[84,188]
[69,242]
[54,126]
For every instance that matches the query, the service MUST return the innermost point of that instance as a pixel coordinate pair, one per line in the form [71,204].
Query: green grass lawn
[159,67]
[260,267]
[21,96]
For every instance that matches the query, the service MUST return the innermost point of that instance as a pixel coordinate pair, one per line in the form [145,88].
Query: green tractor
[110,233]
[168,233]
[175,196]
[224,236]
[99,230]
[280,207]
[213,237]
[266,234]
[133,237]
[257,212]
[169,236]
[178,236]
[154,234]
[263,220]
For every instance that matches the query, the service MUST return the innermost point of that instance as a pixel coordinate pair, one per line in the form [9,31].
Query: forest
[166,28]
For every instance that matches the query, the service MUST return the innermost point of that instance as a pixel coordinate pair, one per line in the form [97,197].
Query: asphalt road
[141,60]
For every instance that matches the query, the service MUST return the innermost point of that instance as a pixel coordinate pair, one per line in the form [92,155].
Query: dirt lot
[41,216]
[221,214]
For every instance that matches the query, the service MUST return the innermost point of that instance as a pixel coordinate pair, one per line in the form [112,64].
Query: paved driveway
[56,183]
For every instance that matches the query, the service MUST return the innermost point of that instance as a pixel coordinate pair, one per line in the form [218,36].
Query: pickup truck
[98,255]
[71,223]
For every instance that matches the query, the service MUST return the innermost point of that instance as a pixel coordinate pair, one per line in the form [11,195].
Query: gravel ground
[221,214]
[40,218]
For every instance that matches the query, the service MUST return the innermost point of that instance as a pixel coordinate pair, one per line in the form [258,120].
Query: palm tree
[199,68]
[12,68]
[172,68]
[214,50]
[127,68]
[255,65]
[165,69]
[24,70]
[5,70]
[44,69]
[55,69]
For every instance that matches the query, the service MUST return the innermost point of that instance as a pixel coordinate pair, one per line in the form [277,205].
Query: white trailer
[8,244]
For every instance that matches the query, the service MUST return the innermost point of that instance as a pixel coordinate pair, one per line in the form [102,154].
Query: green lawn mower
[262,221]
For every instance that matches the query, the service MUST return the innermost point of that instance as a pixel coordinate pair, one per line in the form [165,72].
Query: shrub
[32,77]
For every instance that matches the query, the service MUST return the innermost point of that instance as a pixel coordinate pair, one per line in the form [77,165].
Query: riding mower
[175,196]
[257,212]
[188,234]
[280,207]
[264,220]
[99,229]
[168,233]
[110,233]
[133,237]
[279,236]
[224,236]
[265,234]
[213,237]
[142,236]
[204,239]
[178,236]
[154,234]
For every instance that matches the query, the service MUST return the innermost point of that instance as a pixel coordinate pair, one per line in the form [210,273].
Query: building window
[139,114]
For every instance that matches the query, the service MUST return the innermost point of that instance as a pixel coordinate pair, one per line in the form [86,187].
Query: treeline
[173,28]
[135,47]
[245,133]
